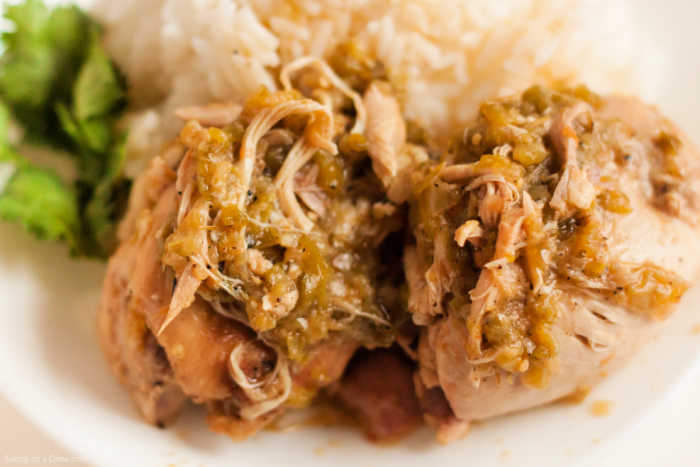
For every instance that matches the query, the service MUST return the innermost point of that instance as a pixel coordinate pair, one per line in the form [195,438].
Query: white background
[669,437]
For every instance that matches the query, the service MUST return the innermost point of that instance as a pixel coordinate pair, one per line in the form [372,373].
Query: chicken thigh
[548,244]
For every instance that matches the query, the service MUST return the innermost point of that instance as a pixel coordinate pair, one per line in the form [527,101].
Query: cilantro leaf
[40,201]
[62,88]
[98,89]
[108,201]
[92,138]
[40,63]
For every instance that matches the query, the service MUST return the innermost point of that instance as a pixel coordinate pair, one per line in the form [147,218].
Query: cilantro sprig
[59,84]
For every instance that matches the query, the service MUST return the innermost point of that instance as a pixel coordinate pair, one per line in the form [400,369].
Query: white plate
[51,367]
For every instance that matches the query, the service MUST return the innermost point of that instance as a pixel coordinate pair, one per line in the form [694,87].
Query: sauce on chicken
[550,238]
[251,250]
[274,239]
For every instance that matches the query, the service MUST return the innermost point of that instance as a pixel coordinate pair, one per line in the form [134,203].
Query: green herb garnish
[62,88]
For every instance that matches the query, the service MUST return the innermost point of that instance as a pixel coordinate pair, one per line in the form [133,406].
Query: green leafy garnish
[36,198]
[108,201]
[41,60]
[98,89]
[43,203]
[62,88]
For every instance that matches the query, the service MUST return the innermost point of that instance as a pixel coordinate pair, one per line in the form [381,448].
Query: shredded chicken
[458,172]
[328,73]
[440,274]
[574,188]
[193,273]
[266,395]
[495,192]
[308,191]
[393,159]
[418,301]
[469,231]
[298,156]
[184,293]
[185,184]
[386,132]
[353,312]
[264,121]
[149,186]
[535,237]
[279,137]
[259,254]
[570,259]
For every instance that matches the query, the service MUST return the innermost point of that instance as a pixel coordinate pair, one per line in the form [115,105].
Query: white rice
[445,55]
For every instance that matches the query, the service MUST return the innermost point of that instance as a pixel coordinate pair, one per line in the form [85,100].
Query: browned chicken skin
[139,362]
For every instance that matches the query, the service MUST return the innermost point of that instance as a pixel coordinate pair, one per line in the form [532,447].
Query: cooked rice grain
[445,56]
